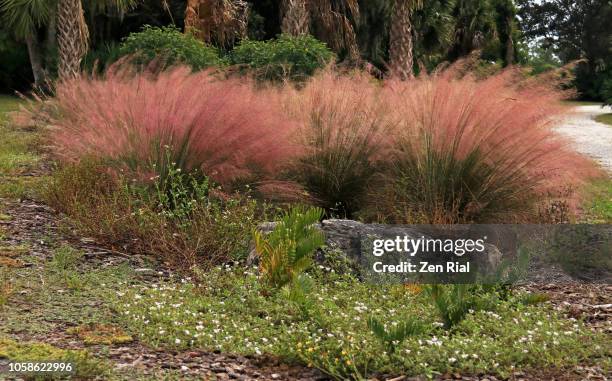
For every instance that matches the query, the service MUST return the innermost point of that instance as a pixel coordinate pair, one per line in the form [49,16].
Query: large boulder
[354,239]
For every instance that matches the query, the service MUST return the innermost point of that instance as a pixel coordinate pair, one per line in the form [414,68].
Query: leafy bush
[168,46]
[286,57]
[287,251]
[475,151]
[224,129]
[343,129]
[178,194]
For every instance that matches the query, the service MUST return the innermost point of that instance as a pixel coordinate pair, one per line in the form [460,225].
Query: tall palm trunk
[38,70]
[400,40]
[196,12]
[296,17]
[72,37]
[217,21]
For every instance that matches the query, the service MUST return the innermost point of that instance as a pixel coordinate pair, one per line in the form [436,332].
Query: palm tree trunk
[217,21]
[72,37]
[195,13]
[296,18]
[51,39]
[400,40]
[38,70]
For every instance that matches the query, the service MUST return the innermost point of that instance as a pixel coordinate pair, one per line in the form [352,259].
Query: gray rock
[354,239]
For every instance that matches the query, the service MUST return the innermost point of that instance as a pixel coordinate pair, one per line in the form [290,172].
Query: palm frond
[24,16]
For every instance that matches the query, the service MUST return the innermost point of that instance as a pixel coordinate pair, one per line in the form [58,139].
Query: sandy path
[588,136]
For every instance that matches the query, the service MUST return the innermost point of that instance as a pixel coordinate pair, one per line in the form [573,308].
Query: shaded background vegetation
[542,34]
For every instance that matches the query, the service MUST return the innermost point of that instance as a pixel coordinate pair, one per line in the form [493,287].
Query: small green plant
[286,251]
[287,57]
[170,46]
[454,301]
[65,258]
[533,298]
[392,337]
[298,292]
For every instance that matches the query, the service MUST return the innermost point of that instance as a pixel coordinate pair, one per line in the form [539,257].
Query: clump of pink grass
[223,127]
[343,128]
[468,150]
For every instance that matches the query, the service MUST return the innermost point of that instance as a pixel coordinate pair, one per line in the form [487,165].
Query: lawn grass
[8,103]
[605,119]
[598,204]
[18,155]
[574,103]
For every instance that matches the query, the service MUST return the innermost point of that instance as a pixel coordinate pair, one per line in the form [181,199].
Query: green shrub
[170,46]
[287,251]
[286,57]
[177,193]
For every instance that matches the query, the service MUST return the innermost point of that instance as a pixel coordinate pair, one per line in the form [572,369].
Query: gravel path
[588,136]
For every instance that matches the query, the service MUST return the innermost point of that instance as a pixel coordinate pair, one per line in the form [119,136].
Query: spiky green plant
[392,337]
[454,301]
[286,252]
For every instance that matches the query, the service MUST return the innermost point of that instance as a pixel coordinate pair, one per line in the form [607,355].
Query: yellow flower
[348,362]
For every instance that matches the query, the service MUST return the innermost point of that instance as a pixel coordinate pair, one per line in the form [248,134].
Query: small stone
[275,376]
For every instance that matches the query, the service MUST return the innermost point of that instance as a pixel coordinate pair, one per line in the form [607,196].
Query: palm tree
[217,21]
[332,22]
[73,33]
[72,37]
[401,58]
[25,17]
[66,27]
[296,17]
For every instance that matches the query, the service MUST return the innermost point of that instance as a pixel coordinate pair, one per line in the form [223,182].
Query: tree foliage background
[542,33]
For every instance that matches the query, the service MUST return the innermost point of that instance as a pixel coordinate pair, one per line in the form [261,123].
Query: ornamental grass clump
[468,150]
[223,128]
[343,129]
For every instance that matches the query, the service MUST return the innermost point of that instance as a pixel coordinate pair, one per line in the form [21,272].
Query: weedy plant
[286,252]
[178,193]
[392,337]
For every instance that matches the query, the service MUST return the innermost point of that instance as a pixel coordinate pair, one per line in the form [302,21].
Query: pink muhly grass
[475,151]
[343,126]
[223,127]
